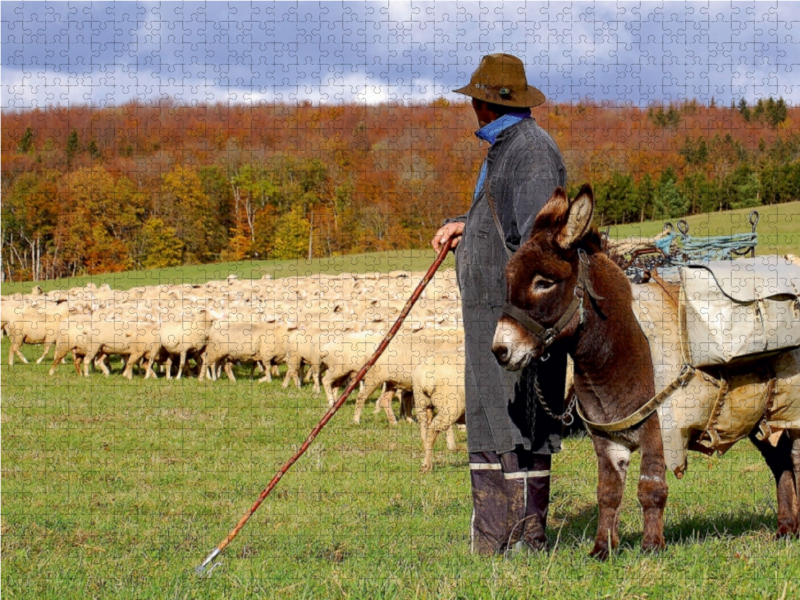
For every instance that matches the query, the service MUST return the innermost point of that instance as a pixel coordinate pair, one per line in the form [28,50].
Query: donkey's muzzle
[502,353]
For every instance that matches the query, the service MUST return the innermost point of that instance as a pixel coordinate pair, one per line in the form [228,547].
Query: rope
[717,247]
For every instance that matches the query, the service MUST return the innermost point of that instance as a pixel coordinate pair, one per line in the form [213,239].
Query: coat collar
[490,131]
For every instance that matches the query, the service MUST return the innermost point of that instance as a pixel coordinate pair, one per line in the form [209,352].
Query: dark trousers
[510,496]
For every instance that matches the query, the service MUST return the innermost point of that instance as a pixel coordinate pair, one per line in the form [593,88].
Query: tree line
[92,190]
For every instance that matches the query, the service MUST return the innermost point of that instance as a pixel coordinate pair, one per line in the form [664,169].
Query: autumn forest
[90,190]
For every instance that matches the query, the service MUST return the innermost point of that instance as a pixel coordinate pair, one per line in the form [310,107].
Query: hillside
[778,227]
[96,190]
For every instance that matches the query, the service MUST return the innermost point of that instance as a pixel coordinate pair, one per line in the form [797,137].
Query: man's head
[488,112]
[499,86]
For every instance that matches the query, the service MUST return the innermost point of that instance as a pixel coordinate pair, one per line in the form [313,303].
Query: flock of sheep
[329,325]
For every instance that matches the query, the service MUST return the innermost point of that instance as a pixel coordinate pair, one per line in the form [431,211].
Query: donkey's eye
[542,284]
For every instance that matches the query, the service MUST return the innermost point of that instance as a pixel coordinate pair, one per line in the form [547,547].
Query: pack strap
[645,411]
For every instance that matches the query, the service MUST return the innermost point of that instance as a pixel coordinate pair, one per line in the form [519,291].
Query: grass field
[779,229]
[117,489]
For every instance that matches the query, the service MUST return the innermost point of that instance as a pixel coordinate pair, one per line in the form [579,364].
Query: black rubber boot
[489,504]
[537,501]
[515,477]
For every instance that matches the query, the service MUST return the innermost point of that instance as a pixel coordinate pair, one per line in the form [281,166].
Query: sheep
[394,367]
[438,384]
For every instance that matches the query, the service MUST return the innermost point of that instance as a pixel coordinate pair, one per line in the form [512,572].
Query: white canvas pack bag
[737,309]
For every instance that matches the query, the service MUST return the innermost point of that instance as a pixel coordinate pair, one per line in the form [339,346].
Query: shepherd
[510,437]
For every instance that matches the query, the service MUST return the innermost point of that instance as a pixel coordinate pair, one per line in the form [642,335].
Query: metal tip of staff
[201,568]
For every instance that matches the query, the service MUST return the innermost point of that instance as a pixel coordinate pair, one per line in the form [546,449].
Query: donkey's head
[547,286]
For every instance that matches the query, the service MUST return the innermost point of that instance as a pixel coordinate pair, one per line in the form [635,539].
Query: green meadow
[119,489]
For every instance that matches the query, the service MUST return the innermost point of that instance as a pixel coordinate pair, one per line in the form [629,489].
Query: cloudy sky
[105,54]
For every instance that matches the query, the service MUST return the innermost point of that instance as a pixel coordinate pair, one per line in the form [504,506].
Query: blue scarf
[490,132]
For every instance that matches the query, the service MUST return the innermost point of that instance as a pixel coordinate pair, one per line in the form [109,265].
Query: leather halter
[547,335]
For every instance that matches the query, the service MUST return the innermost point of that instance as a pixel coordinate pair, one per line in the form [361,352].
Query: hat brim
[533,97]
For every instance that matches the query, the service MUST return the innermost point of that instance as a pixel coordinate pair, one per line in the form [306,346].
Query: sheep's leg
[47,347]
[182,363]
[88,359]
[378,405]
[327,385]
[428,435]
[132,360]
[21,356]
[58,356]
[289,376]
[149,372]
[168,366]
[229,370]
[451,438]
[361,399]
[385,401]
[16,343]
[316,381]
[267,377]
[100,361]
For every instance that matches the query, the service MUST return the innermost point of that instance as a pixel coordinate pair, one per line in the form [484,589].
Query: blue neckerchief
[490,132]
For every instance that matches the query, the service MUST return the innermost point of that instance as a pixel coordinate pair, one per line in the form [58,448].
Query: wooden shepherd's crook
[332,410]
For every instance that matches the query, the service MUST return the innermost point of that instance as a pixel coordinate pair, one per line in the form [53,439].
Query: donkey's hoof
[600,552]
[787,532]
[656,545]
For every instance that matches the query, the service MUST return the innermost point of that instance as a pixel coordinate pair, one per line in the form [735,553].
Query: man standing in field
[510,438]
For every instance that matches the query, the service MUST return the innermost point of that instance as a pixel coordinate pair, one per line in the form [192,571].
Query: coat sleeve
[458,219]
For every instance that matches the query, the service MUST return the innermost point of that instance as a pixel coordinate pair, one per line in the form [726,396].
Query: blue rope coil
[694,249]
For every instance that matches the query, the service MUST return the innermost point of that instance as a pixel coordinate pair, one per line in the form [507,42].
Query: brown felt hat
[500,79]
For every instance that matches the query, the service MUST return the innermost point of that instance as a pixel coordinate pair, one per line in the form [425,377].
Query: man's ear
[579,218]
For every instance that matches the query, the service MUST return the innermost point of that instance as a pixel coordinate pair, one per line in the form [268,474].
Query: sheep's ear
[579,218]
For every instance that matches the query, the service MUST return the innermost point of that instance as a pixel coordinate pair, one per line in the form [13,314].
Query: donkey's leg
[612,469]
[780,461]
[795,437]
[652,484]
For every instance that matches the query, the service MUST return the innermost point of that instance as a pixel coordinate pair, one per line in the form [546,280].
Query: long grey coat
[524,167]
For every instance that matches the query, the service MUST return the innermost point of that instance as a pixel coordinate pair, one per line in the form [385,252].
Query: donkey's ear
[579,218]
[553,211]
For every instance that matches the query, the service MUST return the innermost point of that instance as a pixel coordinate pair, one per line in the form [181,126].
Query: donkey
[565,292]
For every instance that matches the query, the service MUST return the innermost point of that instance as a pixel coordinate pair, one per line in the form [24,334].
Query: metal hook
[668,227]
[545,358]
[683,227]
[753,218]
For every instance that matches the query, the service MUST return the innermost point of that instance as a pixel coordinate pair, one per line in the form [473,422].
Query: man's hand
[452,231]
